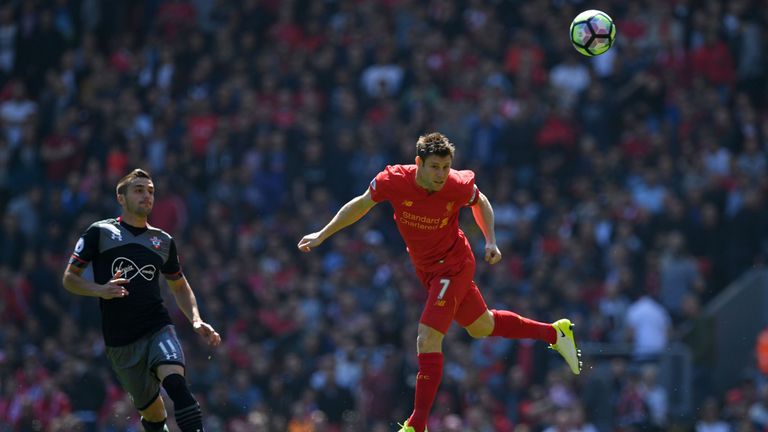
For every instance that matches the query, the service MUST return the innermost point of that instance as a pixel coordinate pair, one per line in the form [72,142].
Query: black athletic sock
[189,417]
[150,426]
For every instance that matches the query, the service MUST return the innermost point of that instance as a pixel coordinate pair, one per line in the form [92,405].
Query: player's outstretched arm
[348,214]
[483,213]
[74,283]
[187,302]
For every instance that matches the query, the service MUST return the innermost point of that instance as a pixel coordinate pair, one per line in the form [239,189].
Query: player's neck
[420,184]
[134,220]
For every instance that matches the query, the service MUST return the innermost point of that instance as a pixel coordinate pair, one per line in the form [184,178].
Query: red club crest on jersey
[449,208]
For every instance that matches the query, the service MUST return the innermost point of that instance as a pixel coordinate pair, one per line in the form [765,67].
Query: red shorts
[452,295]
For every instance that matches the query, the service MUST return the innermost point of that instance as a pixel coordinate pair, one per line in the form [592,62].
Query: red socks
[427,382]
[507,324]
[513,326]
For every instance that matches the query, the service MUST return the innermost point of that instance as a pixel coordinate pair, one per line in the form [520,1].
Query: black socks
[153,426]
[187,410]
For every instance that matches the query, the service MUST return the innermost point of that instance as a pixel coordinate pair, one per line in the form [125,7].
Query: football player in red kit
[427,197]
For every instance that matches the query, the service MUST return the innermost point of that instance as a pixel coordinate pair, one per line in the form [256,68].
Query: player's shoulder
[460,184]
[109,224]
[400,171]
[153,230]
[395,174]
[462,177]
[105,222]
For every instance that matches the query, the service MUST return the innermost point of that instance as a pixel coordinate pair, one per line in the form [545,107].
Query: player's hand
[207,332]
[114,288]
[310,241]
[492,253]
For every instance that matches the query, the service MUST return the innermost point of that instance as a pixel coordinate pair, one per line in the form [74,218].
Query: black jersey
[141,254]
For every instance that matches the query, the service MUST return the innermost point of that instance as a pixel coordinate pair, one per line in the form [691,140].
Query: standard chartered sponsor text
[419,222]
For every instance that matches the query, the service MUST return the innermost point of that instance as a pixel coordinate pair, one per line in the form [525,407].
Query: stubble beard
[140,211]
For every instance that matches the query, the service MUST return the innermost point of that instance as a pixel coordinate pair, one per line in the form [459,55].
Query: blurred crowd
[629,189]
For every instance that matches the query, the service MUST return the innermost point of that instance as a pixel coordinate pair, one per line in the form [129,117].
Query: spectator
[679,274]
[569,78]
[655,395]
[16,111]
[758,411]
[649,326]
[709,419]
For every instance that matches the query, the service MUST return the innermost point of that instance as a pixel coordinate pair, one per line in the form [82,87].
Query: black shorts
[136,364]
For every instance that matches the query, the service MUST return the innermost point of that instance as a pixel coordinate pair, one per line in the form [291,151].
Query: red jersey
[428,222]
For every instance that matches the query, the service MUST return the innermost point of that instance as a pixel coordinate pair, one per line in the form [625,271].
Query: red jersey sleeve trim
[77,261]
[173,276]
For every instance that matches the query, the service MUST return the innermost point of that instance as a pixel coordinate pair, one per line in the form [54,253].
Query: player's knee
[478,333]
[427,345]
[155,412]
[176,387]
[429,340]
[482,327]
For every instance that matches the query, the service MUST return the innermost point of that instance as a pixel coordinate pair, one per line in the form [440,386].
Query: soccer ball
[592,32]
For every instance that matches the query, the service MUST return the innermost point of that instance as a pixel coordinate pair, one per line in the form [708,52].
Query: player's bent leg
[510,325]
[187,411]
[482,326]
[153,416]
[164,370]
[429,340]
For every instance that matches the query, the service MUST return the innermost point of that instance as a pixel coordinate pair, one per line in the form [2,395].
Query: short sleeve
[475,194]
[467,187]
[381,185]
[172,267]
[86,248]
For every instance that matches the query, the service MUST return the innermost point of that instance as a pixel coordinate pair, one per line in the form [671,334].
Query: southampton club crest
[156,242]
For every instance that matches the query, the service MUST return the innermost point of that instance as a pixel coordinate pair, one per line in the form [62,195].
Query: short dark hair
[122,185]
[434,143]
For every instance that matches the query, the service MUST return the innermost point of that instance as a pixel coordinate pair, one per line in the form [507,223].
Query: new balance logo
[407,203]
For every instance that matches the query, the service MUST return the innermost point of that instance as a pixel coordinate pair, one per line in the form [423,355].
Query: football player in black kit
[128,256]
